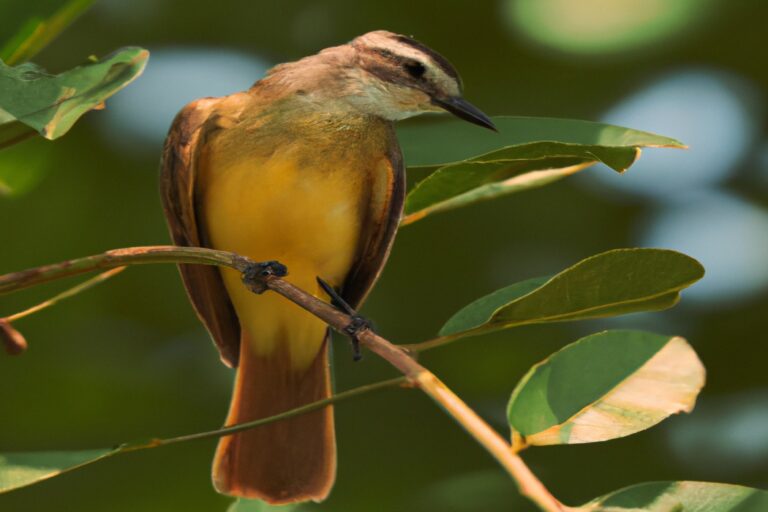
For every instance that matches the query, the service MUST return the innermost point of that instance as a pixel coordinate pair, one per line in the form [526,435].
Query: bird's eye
[415,69]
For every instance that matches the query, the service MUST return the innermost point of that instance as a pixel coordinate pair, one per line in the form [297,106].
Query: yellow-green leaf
[680,497]
[245,505]
[605,386]
[50,104]
[22,469]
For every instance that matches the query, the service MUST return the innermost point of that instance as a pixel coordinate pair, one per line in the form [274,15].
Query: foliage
[527,153]
[682,497]
[607,385]
[50,104]
[21,469]
[37,32]
[35,101]
[613,283]
[604,386]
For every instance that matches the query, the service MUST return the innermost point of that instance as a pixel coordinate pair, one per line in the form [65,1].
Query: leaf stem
[412,217]
[439,341]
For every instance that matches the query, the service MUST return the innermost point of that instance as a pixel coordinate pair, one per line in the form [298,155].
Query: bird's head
[379,73]
[397,77]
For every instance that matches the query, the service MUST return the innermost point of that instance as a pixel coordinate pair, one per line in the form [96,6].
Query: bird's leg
[336,299]
[255,273]
[358,323]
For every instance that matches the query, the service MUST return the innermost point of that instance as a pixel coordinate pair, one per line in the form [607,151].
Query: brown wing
[382,226]
[177,185]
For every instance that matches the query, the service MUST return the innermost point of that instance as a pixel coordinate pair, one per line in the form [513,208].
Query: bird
[304,168]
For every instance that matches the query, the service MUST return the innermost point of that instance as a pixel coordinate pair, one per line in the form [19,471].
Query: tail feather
[289,460]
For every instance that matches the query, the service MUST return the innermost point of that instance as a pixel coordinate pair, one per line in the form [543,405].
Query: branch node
[12,339]
[256,275]
[518,443]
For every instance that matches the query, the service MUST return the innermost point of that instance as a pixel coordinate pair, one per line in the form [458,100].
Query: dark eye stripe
[415,68]
[441,61]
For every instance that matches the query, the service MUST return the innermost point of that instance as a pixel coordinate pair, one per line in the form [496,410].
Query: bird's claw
[358,323]
[255,273]
[357,326]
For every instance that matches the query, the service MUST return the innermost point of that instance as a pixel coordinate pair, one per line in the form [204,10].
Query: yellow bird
[303,168]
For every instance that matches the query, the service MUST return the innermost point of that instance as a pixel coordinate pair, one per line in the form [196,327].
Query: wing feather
[381,227]
[177,185]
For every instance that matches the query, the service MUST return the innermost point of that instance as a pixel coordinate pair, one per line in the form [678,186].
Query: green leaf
[22,469]
[526,153]
[681,497]
[612,283]
[36,33]
[50,104]
[448,140]
[244,505]
[604,386]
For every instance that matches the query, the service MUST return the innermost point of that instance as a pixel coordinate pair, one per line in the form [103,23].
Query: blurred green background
[129,360]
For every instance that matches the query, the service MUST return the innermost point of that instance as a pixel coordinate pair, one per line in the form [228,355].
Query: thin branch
[66,294]
[258,281]
[119,258]
[319,404]
[156,443]
[13,341]
[439,341]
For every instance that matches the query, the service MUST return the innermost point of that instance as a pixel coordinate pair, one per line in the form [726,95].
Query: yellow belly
[278,207]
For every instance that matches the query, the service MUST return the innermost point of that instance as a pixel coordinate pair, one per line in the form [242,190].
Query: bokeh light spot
[139,117]
[715,114]
[762,163]
[725,436]
[602,26]
[726,233]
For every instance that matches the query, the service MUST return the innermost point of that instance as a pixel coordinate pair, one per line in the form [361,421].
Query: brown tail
[287,461]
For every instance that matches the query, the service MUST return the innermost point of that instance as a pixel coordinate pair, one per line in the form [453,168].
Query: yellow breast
[299,203]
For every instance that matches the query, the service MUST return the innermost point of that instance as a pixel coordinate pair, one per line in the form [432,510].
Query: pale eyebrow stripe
[438,59]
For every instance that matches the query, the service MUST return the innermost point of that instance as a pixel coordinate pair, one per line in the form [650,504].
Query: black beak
[463,109]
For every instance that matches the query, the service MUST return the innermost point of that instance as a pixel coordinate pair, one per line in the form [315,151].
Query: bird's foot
[356,326]
[353,330]
[256,273]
